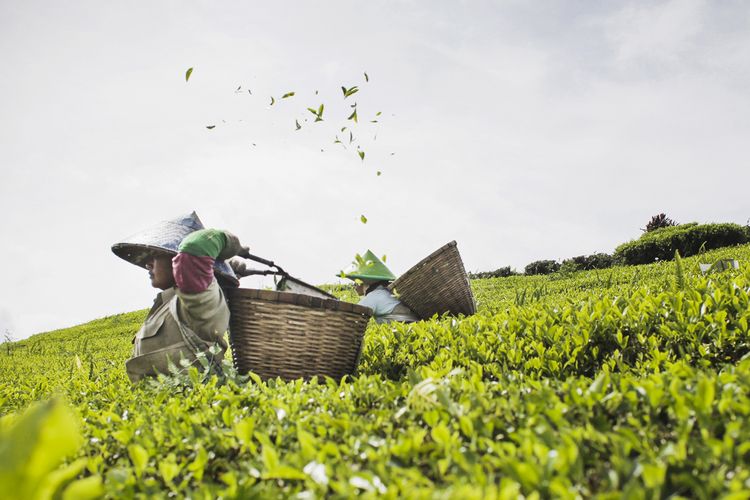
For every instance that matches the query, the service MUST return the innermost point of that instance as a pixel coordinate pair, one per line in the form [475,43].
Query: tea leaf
[350,91]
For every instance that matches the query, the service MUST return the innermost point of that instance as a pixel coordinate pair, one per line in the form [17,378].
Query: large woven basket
[291,335]
[438,284]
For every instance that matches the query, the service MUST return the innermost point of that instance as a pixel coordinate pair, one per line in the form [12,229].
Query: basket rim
[413,269]
[298,299]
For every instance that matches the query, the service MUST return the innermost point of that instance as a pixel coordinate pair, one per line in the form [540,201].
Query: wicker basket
[436,285]
[290,335]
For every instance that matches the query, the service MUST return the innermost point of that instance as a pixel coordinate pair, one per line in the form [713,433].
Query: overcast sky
[523,130]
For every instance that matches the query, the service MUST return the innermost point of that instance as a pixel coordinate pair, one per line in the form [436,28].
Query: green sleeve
[204,243]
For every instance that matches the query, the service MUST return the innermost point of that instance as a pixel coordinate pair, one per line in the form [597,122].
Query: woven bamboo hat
[164,238]
[370,268]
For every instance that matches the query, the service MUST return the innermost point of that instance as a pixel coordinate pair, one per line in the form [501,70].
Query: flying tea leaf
[361,155]
[296,123]
[363,219]
[272,101]
[353,116]
[188,73]
[210,127]
[350,91]
[317,112]
[288,94]
[367,78]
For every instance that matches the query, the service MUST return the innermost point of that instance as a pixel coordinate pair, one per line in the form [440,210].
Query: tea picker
[372,277]
[303,333]
[190,316]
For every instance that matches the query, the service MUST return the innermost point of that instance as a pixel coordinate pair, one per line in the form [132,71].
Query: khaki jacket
[179,325]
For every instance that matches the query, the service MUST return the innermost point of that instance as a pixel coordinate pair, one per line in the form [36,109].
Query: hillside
[629,380]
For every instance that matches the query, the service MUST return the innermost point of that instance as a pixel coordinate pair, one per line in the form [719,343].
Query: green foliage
[615,383]
[688,239]
[32,447]
[589,262]
[542,267]
[502,272]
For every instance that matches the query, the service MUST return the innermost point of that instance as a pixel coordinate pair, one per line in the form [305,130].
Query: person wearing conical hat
[190,315]
[372,277]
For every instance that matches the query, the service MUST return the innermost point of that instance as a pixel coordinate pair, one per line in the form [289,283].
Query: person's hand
[239,266]
[233,247]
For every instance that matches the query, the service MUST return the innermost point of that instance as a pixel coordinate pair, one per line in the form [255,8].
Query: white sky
[523,130]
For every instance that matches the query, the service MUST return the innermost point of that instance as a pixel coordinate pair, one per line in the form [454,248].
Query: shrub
[542,267]
[658,222]
[502,272]
[589,262]
[688,239]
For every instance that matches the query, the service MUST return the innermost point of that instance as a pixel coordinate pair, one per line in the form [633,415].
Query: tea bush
[626,382]
[688,239]
[502,272]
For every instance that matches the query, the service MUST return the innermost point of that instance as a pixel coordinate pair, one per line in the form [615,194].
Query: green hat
[370,268]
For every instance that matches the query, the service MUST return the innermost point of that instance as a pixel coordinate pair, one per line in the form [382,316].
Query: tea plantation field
[626,382]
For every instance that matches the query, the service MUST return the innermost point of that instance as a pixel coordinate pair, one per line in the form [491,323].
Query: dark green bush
[688,239]
[542,267]
[502,272]
[589,262]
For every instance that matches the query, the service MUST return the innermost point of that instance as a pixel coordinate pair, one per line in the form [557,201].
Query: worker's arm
[193,267]
[202,303]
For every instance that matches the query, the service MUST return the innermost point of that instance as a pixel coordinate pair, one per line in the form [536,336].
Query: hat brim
[139,254]
[164,238]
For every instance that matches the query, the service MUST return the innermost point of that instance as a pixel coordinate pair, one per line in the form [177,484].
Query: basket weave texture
[438,284]
[290,335]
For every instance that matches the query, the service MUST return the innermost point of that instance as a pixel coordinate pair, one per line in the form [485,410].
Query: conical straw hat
[370,267]
[165,237]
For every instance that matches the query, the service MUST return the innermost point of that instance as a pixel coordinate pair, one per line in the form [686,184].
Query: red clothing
[192,273]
